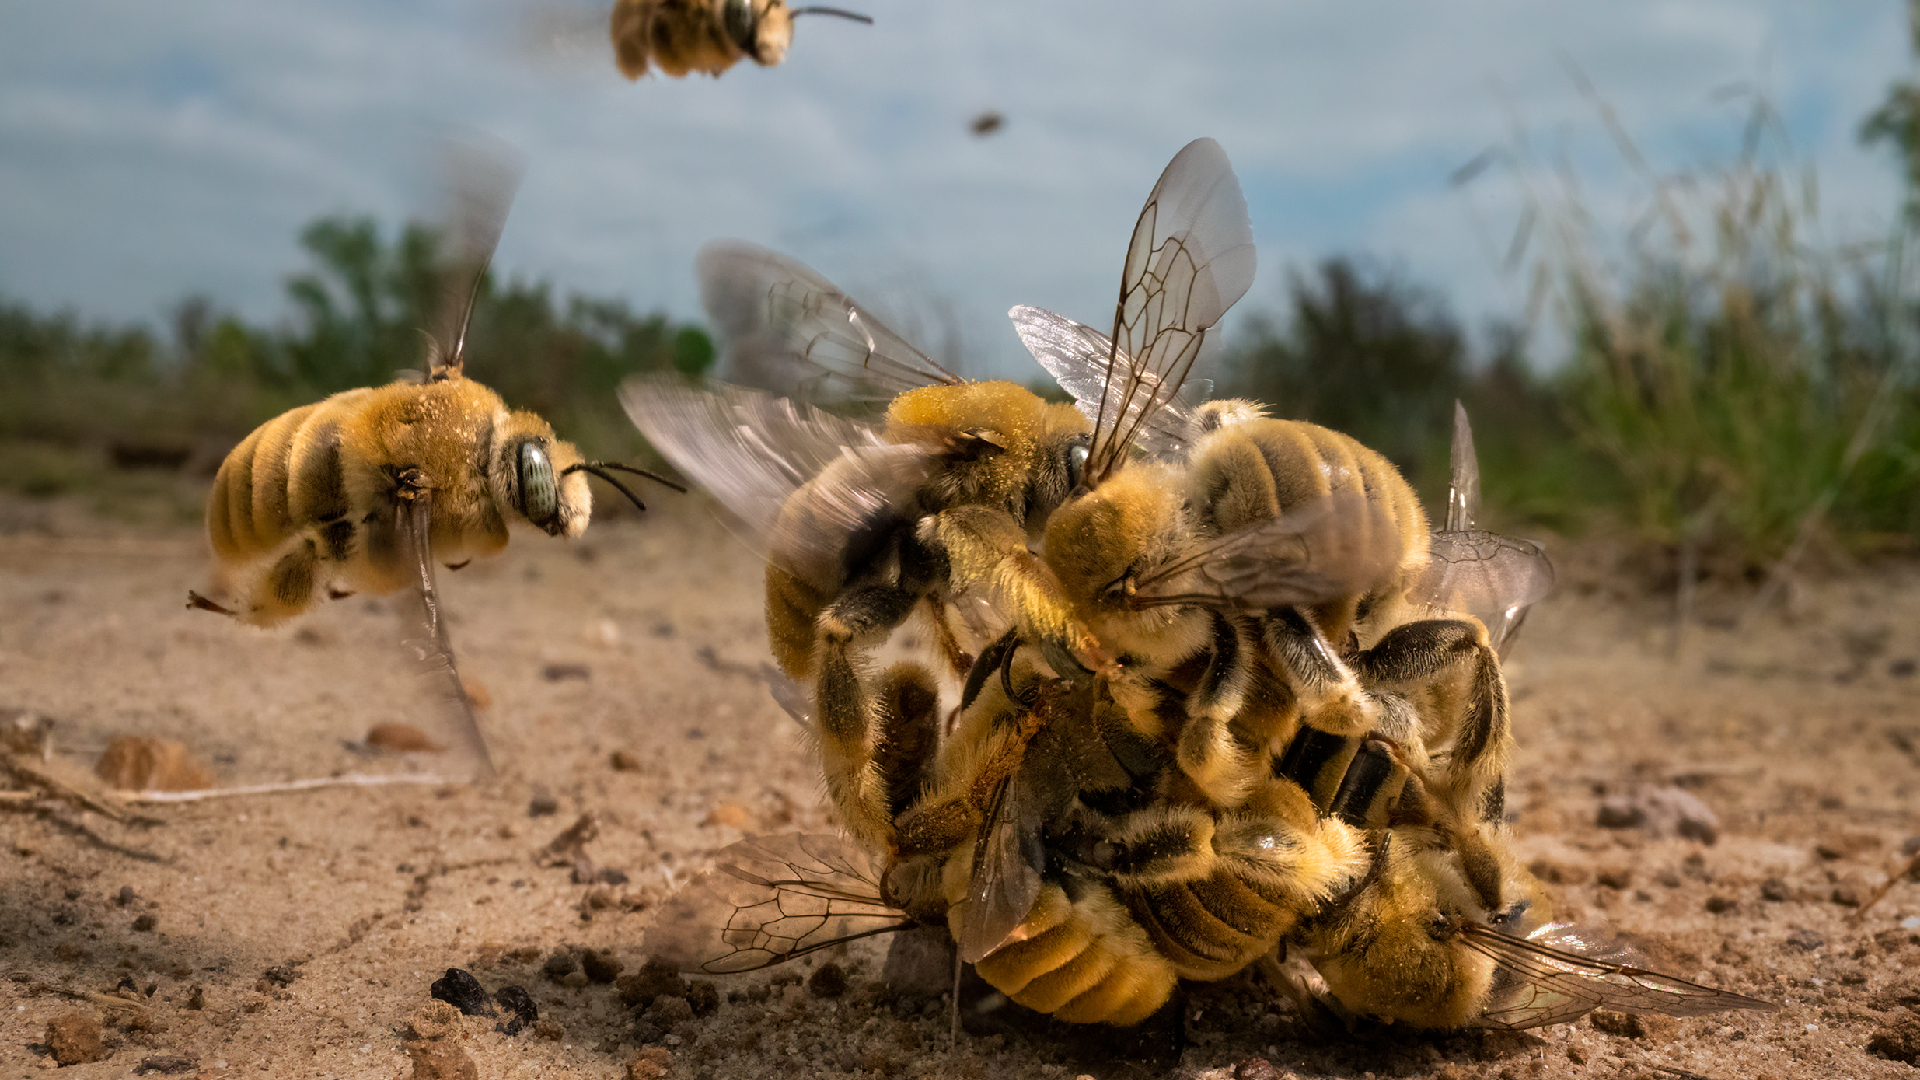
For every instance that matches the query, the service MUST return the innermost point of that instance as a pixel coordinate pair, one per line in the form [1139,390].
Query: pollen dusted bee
[708,36]
[366,490]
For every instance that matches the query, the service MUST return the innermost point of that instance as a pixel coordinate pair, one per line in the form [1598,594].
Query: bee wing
[1190,258]
[1494,578]
[753,451]
[426,635]
[792,331]
[1552,985]
[772,899]
[1332,546]
[1082,360]
[481,181]
[1007,862]
[1463,493]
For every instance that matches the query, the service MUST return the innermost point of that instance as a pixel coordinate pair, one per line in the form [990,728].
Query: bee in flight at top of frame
[708,36]
[366,490]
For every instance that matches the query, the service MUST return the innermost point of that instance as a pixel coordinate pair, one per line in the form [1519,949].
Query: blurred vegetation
[80,402]
[1713,375]
[1726,382]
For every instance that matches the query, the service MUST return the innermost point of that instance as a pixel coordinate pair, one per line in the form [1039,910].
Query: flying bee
[368,489]
[676,37]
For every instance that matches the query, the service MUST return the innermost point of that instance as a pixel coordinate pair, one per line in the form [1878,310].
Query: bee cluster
[1130,690]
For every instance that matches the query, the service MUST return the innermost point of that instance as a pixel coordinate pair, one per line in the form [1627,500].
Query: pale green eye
[539,494]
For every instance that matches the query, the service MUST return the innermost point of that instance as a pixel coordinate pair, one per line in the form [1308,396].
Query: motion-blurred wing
[1332,546]
[1082,360]
[1463,492]
[769,900]
[481,181]
[791,331]
[1494,578]
[754,451]
[1190,258]
[1550,985]
[426,638]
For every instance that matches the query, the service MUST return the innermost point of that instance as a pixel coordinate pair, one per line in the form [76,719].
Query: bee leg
[1446,669]
[1318,1009]
[987,549]
[1207,751]
[1331,696]
[909,713]
[200,603]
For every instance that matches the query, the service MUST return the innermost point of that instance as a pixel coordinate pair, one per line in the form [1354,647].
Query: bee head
[760,28]
[1101,542]
[534,476]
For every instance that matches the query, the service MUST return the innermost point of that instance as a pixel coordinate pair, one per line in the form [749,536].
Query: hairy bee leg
[1331,695]
[1208,752]
[1451,676]
[909,735]
[987,549]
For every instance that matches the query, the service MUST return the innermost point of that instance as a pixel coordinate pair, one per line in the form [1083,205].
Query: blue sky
[151,151]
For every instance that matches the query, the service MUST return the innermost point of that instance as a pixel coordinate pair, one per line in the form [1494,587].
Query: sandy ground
[296,935]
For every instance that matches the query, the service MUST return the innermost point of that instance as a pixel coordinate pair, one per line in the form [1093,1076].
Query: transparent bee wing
[1007,862]
[1082,360]
[1190,258]
[1463,493]
[754,452]
[1333,546]
[481,181]
[1555,985]
[794,697]
[773,899]
[426,637]
[791,331]
[1494,578]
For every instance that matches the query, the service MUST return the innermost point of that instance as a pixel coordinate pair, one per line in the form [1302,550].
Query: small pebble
[461,990]
[518,1005]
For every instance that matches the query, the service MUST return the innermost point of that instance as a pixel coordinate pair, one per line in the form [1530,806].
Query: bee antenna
[837,12]
[599,469]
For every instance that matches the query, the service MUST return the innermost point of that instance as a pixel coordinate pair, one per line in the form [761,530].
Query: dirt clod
[652,1063]
[829,980]
[517,1005]
[624,761]
[600,965]
[135,763]
[74,1039]
[461,990]
[654,979]
[165,1064]
[1899,1040]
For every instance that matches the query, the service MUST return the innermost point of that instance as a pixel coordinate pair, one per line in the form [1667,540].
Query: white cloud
[183,149]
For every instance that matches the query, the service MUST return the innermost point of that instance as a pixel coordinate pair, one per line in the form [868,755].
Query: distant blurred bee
[986,123]
[708,36]
[366,490]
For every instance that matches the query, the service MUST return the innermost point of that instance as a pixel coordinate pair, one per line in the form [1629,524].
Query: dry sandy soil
[296,935]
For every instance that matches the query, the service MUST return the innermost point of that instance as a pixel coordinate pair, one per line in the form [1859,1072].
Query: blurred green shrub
[76,397]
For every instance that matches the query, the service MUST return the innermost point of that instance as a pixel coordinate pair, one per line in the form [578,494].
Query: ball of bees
[1287,749]
[365,491]
[676,37]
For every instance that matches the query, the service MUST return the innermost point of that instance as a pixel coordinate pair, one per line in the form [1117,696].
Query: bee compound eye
[539,494]
[1076,464]
[738,16]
